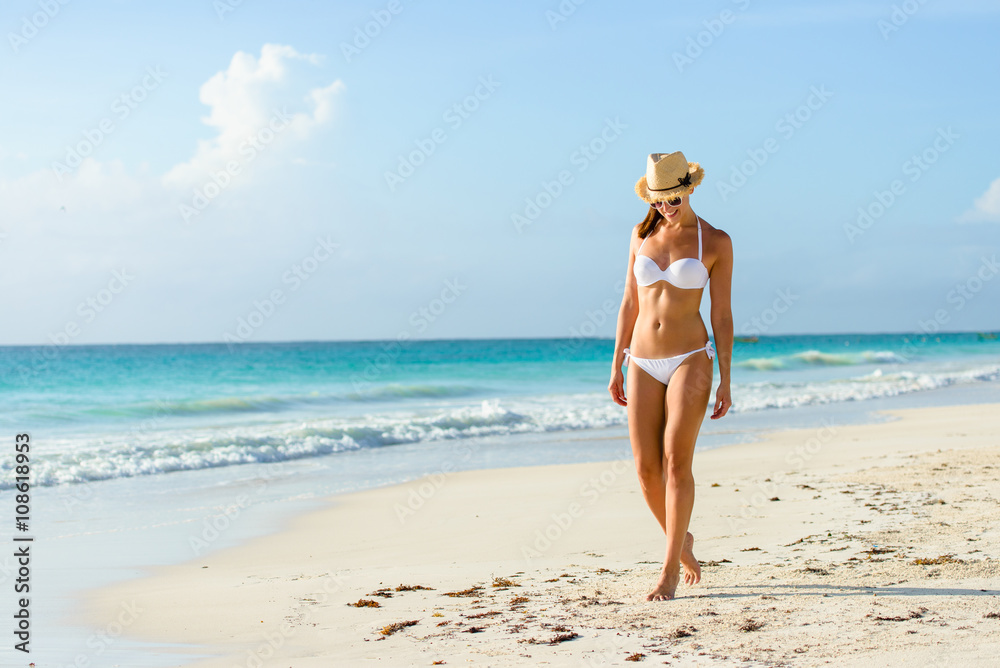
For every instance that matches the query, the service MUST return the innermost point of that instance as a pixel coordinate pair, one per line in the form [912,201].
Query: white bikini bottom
[663,368]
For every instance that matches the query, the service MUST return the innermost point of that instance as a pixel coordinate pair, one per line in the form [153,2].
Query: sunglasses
[673,201]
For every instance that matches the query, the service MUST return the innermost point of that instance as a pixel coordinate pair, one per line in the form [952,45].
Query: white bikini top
[687,272]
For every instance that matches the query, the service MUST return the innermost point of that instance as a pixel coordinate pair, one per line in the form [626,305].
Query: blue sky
[262,171]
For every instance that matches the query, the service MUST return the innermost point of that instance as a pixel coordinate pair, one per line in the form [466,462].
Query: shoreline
[285,594]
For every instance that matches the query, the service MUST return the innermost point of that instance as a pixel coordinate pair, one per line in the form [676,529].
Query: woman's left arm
[720,291]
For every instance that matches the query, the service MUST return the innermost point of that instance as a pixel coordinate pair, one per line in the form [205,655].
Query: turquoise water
[101,412]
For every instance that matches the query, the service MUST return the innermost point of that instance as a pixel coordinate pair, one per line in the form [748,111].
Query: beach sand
[863,545]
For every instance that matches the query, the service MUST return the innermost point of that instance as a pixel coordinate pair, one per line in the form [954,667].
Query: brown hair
[648,223]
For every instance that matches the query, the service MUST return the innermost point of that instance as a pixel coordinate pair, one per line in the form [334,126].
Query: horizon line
[506,338]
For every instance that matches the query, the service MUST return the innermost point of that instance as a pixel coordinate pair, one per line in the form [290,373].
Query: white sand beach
[861,545]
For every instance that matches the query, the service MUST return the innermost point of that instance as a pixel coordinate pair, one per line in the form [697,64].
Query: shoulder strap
[699,237]
[641,245]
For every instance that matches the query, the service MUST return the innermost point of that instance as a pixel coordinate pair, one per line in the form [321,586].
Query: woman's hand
[616,388]
[723,401]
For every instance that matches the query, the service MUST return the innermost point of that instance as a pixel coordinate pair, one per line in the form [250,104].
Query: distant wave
[399,391]
[270,404]
[196,406]
[820,358]
[762,363]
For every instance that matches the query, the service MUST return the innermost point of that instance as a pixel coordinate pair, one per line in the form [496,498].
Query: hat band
[682,182]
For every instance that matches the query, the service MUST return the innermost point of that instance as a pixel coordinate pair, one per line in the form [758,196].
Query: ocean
[147,455]
[105,412]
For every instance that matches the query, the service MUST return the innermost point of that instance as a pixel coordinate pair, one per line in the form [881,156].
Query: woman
[670,375]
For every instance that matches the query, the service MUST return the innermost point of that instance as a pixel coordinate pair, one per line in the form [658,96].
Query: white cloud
[59,238]
[246,103]
[986,207]
[96,189]
[106,197]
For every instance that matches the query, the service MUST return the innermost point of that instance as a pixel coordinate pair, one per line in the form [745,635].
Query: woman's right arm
[627,315]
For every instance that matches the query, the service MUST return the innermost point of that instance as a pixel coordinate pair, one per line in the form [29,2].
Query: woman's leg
[646,421]
[686,400]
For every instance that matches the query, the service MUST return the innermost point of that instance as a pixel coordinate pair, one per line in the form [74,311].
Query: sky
[227,170]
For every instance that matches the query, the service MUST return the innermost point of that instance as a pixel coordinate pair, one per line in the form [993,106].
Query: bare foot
[666,586]
[692,570]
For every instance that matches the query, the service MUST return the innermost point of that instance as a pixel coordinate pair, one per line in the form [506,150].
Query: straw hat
[668,175]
